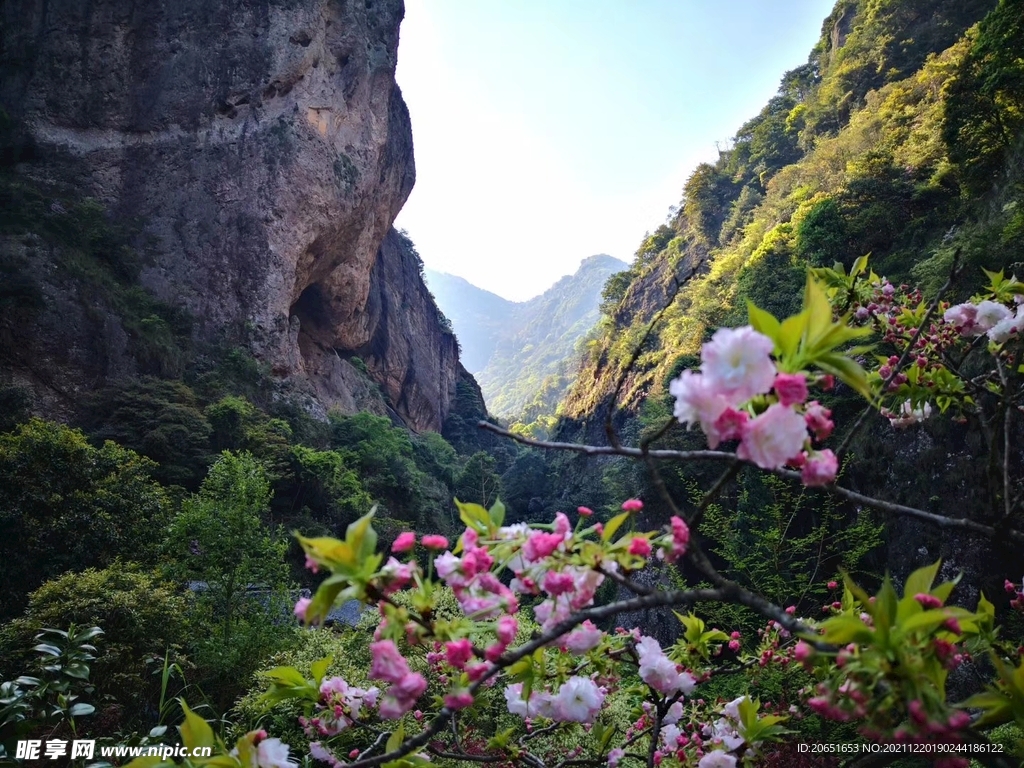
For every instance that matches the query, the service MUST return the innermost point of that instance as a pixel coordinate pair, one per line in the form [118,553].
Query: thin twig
[606,450]
[846,493]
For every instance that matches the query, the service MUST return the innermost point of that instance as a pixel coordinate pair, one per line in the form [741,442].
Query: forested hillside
[525,353]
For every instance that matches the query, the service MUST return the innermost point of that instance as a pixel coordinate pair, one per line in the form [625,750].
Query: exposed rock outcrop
[263,149]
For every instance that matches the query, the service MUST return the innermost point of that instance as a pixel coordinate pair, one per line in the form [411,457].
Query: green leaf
[195,732]
[613,525]
[319,669]
[790,333]
[474,516]
[288,675]
[77,670]
[848,371]
[926,620]
[840,630]
[985,607]
[50,650]
[818,309]
[763,321]
[921,579]
[396,738]
[81,710]
[497,513]
[361,537]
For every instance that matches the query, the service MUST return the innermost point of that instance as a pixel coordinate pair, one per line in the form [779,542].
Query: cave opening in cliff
[312,310]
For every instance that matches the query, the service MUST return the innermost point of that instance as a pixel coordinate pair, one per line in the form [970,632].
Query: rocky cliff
[254,154]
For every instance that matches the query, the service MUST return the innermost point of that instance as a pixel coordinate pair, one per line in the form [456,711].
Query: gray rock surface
[264,149]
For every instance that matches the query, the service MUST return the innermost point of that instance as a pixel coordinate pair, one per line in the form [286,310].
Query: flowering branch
[838,490]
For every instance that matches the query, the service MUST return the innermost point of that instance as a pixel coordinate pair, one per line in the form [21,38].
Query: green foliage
[162,420]
[984,113]
[65,505]
[239,426]
[235,565]
[413,484]
[707,197]
[52,697]
[146,621]
[478,482]
[783,542]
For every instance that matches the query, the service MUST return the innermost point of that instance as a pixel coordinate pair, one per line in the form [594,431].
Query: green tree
[65,505]
[159,419]
[478,482]
[145,619]
[985,100]
[235,565]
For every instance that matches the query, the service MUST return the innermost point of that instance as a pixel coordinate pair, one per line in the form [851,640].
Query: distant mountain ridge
[520,351]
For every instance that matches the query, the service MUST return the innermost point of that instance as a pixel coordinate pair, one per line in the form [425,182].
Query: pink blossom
[819,420]
[396,575]
[791,388]
[578,700]
[773,438]
[717,759]
[458,699]
[697,402]
[539,545]
[387,663]
[964,317]
[402,696]
[301,606]
[640,546]
[737,363]
[585,511]
[833,585]
[734,646]
[404,542]
[614,756]
[632,505]
[728,426]
[433,541]
[927,601]
[990,314]
[538,705]
[458,652]
[909,415]
[507,628]
[819,469]
[562,525]
[660,672]
[312,564]
[802,652]
[557,583]
[680,540]
[584,638]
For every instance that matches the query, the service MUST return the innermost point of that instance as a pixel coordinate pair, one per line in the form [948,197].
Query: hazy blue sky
[550,130]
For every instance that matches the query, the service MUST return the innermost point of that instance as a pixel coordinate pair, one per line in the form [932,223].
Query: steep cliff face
[261,150]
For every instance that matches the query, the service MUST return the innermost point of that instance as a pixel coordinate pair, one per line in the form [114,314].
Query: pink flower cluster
[1017,602]
[908,414]
[478,591]
[406,686]
[679,542]
[660,672]
[736,365]
[578,700]
[989,318]
[340,707]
